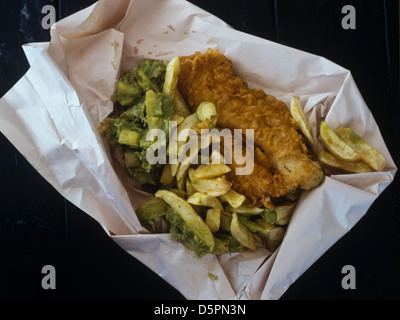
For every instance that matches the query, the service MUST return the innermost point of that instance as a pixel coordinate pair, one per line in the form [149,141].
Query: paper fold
[53,129]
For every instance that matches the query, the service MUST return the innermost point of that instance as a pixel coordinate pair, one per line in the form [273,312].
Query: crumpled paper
[51,116]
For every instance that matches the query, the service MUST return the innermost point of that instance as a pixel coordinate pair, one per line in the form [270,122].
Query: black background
[39,227]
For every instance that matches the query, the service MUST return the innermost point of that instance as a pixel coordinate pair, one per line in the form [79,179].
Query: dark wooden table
[39,227]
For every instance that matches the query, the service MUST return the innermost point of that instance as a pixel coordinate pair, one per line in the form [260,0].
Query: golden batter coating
[282,161]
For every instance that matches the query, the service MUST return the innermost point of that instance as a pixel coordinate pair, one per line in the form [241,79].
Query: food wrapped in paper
[52,114]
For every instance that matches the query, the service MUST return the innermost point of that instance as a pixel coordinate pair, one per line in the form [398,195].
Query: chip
[241,233]
[171,77]
[213,186]
[245,210]
[234,198]
[189,215]
[298,115]
[166,175]
[368,154]
[213,217]
[205,171]
[336,145]
[349,166]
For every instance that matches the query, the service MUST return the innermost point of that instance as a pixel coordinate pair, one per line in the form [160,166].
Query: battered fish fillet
[282,161]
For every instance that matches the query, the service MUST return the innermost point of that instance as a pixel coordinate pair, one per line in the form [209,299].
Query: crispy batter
[282,162]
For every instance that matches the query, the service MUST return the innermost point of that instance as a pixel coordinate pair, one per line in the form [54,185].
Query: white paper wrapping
[51,116]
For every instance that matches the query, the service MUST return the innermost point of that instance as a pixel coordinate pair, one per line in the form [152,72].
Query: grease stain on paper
[115,45]
[164,53]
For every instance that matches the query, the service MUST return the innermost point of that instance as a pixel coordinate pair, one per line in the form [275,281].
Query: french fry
[216,157]
[166,175]
[178,118]
[206,124]
[234,198]
[298,115]
[205,171]
[180,105]
[185,165]
[181,183]
[213,187]
[349,166]
[368,154]
[336,145]
[202,199]
[187,123]
[241,233]
[171,77]
[279,215]
[245,210]
[185,210]
[173,148]
[213,217]
[207,139]
[182,170]
[226,219]
[284,213]
[174,169]
[272,235]
[189,187]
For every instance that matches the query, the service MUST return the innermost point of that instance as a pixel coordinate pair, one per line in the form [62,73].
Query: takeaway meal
[226,163]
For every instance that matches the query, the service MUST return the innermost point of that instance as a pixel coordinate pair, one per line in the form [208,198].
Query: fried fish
[282,162]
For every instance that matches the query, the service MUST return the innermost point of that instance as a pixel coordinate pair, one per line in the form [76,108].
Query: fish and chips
[208,206]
